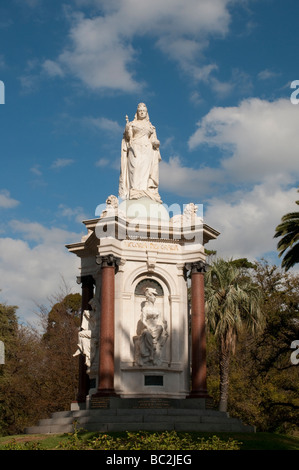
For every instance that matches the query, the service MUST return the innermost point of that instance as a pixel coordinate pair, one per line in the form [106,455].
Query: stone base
[148,403]
[144,414]
[77,405]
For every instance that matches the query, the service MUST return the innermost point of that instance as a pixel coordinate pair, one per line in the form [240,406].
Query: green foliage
[149,441]
[263,382]
[243,263]
[288,245]
[64,313]
[232,301]
[8,326]
[38,367]
[232,304]
[27,445]
[246,441]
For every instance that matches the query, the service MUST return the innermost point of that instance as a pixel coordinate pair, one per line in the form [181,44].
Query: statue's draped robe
[140,163]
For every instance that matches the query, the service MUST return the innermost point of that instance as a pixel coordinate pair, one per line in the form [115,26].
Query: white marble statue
[140,157]
[188,218]
[112,208]
[87,341]
[151,332]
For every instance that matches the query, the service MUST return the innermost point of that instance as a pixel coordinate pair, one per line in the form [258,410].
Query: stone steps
[139,420]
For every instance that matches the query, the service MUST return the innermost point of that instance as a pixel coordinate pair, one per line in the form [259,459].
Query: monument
[135,260]
[142,344]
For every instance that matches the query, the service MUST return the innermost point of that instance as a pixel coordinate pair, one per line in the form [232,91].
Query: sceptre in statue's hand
[129,133]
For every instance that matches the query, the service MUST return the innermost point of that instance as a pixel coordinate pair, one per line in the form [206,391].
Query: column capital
[196,267]
[108,261]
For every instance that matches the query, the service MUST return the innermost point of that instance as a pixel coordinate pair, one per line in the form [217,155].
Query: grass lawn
[250,441]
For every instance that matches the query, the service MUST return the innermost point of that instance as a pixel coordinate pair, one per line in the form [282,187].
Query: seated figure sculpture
[151,332]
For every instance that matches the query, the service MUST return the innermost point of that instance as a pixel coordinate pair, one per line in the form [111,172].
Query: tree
[8,334]
[8,324]
[288,246]
[60,342]
[20,379]
[273,369]
[40,375]
[263,382]
[232,304]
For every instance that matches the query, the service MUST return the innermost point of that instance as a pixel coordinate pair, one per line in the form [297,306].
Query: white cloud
[258,139]
[187,181]
[31,268]
[52,68]
[38,233]
[101,48]
[103,124]
[76,213]
[62,162]
[36,170]
[102,162]
[247,221]
[6,201]
[259,145]
[267,74]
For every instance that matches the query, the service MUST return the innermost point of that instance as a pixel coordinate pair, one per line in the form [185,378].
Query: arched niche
[164,277]
[162,304]
[148,282]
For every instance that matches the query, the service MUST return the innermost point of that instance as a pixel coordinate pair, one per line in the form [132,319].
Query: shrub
[149,441]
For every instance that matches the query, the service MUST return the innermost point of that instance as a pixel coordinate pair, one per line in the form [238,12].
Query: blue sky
[216,76]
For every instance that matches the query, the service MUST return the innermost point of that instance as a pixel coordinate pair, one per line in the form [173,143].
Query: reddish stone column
[106,350]
[198,335]
[87,295]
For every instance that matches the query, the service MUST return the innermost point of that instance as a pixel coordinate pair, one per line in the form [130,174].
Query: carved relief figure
[151,332]
[87,341]
[112,208]
[188,218]
[140,157]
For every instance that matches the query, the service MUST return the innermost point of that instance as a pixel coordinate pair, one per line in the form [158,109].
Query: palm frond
[232,302]
[291,257]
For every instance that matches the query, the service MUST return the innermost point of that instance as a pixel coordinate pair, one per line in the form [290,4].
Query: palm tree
[232,304]
[289,231]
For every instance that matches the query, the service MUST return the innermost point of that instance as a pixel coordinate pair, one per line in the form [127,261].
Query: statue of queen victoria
[140,157]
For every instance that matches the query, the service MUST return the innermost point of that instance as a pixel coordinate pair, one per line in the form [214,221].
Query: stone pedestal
[147,340]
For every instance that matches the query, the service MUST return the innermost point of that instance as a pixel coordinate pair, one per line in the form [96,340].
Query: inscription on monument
[152,403]
[145,245]
[100,403]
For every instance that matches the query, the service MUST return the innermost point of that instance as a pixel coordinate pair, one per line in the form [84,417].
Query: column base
[108,392]
[198,394]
